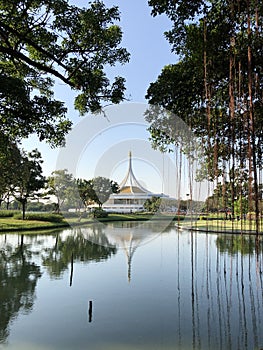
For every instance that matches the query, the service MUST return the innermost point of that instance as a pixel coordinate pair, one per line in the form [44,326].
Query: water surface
[130,286]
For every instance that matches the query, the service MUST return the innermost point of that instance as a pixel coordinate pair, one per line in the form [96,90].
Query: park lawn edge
[11,225]
[183,223]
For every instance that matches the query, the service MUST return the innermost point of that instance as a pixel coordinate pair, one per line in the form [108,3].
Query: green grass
[7,224]
[209,223]
[219,225]
[46,221]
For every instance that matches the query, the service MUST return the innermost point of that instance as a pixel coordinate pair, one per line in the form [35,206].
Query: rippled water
[130,286]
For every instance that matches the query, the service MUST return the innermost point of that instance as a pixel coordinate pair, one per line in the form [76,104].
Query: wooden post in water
[90,310]
[71,271]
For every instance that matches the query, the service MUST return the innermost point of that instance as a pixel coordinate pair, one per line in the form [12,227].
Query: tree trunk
[251,132]
[23,202]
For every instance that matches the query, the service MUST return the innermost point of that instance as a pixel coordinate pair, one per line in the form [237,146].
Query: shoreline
[181,224]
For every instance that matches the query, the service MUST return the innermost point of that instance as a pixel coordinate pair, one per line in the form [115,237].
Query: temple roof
[130,184]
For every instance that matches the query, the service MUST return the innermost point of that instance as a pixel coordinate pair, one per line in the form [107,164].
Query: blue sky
[143,37]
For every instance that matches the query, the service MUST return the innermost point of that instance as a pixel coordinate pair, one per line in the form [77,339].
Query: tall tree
[216,85]
[43,41]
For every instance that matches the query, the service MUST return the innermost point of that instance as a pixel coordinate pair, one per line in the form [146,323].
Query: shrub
[41,217]
[75,214]
[99,213]
[8,213]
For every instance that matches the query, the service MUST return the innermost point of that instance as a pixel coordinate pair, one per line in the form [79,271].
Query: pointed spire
[130,184]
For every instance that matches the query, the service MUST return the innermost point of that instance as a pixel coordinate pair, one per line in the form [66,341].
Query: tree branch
[35,64]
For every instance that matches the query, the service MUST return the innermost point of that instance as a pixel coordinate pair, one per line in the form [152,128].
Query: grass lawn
[212,224]
[219,225]
[10,224]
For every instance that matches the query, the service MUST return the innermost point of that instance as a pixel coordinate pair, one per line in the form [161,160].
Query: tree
[215,88]
[61,184]
[97,190]
[102,188]
[86,192]
[44,41]
[10,157]
[29,179]
[22,114]
[152,204]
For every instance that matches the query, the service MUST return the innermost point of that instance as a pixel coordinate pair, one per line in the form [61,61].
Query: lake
[127,286]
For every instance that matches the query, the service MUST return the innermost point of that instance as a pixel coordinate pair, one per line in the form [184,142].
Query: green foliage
[102,189]
[56,218]
[76,214]
[38,206]
[61,184]
[28,179]
[152,204]
[22,115]
[10,158]
[8,213]
[214,89]
[97,190]
[41,41]
[99,213]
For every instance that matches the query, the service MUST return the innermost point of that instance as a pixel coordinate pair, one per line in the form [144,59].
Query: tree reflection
[78,246]
[18,279]
[246,245]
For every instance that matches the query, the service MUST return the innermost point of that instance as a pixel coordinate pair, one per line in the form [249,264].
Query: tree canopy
[215,87]
[43,41]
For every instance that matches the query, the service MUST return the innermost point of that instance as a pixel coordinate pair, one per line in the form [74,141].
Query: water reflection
[188,290]
[76,245]
[18,279]
[20,267]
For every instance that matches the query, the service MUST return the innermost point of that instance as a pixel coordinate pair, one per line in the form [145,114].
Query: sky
[143,37]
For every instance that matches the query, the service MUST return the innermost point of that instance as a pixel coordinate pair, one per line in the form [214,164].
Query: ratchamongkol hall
[131,196]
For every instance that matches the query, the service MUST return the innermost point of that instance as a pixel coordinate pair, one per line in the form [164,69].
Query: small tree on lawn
[61,185]
[102,189]
[29,179]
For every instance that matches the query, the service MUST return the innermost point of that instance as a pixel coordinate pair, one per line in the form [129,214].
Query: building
[131,196]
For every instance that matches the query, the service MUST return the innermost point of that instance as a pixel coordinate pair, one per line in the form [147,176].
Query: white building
[131,196]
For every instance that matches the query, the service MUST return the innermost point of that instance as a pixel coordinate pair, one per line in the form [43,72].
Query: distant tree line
[26,186]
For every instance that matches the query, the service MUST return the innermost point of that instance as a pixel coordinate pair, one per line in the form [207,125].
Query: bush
[75,214]
[99,213]
[8,213]
[41,217]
